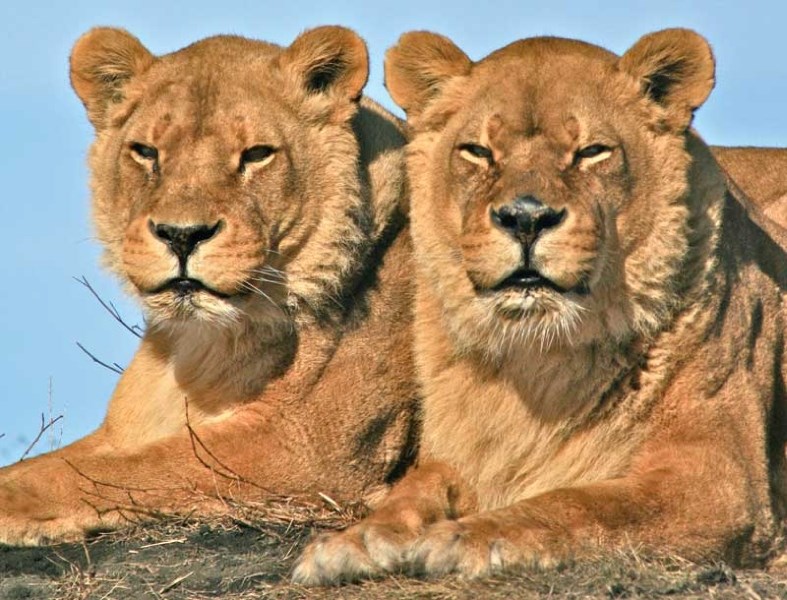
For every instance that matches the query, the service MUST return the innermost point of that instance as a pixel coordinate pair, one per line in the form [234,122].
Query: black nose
[526,217]
[182,240]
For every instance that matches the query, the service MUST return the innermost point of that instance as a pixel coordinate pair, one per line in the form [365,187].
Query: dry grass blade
[175,582]
[164,543]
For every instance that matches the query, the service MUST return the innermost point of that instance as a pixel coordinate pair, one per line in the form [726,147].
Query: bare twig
[108,484]
[230,473]
[41,431]
[114,367]
[110,308]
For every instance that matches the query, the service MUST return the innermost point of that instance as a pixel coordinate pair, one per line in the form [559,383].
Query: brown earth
[249,552]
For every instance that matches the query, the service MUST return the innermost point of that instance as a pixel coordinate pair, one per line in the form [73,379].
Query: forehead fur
[222,57]
[526,80]
[220,66]
[542,63]
[549,47]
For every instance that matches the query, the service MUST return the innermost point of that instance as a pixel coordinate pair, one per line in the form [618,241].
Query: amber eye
[475,153]
[261,155]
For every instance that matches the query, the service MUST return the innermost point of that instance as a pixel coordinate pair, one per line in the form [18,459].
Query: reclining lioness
[250,201]
[600,318]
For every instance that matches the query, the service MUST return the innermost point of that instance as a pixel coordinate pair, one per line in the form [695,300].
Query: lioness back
[762,174]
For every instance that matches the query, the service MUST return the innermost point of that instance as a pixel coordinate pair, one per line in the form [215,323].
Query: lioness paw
[361,552]
[468,548]
[452,547]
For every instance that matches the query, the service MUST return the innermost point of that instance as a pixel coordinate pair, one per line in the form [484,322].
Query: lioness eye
[261,154]
[476,154]
[147,156]
[144,152]
[591,151]
[592,154]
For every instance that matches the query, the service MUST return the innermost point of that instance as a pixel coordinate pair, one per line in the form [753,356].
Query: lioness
[600,318]
[251,201]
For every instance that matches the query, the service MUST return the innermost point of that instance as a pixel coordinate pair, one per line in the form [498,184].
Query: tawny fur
[302,380]
[762,175]
[298,377]
[639,399]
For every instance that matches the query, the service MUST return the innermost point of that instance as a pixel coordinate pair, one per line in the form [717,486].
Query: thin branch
[115,486]
[110,308]
[41,431]
[115,368]
[230,473]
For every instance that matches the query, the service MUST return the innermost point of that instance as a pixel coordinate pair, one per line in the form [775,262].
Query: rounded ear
[676,70]
[103,61]
[418,66]
[328,60]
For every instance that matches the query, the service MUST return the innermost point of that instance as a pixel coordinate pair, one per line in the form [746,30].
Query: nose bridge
[184,205]
[529,172]
[188,199]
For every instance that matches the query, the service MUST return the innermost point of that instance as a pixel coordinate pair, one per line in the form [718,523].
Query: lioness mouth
[185,286]
[527,279]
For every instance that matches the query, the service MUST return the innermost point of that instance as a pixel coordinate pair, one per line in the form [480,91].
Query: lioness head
[225,174]
[551,198]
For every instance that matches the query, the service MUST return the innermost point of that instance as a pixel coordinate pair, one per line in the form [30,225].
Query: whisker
[255,289]
[271,272]
[264,280]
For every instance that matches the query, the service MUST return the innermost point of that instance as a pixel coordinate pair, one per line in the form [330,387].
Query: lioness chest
[508,447]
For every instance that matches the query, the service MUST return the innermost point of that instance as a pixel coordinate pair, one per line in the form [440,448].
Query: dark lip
[527,279]
[185,286]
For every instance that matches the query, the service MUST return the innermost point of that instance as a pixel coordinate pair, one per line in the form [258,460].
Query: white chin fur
[525,322]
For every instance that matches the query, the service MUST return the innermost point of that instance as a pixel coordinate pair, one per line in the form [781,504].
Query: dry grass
[248,553]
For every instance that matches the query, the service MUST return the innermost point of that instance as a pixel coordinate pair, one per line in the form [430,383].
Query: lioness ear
[328,60]
[102,62]
[418,66]
[676,70]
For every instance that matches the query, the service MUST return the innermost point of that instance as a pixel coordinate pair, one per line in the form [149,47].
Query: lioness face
[227,162]
[544,180]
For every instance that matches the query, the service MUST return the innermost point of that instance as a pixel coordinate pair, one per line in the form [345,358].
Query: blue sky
[44,137]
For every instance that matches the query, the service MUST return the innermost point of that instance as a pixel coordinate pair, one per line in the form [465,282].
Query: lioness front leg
[90,485]
[540,532]
[380,543]
[679,507]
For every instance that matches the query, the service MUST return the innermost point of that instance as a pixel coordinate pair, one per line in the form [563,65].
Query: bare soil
[249,553]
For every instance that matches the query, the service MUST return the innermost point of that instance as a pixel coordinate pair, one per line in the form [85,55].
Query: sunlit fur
[283,367]
[635,396]
[583,254]
[276,221]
